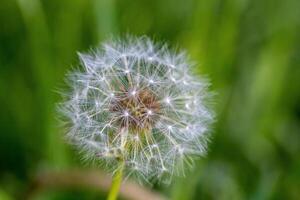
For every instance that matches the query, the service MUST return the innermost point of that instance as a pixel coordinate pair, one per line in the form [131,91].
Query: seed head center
[142,108]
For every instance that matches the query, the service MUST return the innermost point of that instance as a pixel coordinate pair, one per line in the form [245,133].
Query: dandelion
[137,109]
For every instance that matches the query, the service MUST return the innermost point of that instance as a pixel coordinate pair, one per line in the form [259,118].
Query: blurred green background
[250,50]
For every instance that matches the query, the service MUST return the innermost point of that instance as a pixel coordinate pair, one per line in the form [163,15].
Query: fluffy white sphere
[137,102]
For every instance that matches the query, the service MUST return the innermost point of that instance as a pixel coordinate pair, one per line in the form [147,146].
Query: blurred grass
[249,49]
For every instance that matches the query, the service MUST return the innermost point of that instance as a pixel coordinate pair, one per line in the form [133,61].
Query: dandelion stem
[116,183]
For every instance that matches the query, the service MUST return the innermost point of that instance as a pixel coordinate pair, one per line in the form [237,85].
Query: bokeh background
[250,50]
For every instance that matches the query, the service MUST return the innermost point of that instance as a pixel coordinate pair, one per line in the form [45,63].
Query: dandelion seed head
[138,102]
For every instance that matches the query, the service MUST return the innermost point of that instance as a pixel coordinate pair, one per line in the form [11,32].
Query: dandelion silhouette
[137,103]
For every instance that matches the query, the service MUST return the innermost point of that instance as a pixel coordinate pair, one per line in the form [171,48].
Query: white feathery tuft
[138,102]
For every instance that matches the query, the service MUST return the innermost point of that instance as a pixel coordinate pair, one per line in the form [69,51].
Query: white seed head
[138,102]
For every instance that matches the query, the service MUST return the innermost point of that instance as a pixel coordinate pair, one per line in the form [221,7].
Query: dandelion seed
[137,102]
[149,112]
[168,100]
[173,79]
[133,92]
[136,138]
[126,114]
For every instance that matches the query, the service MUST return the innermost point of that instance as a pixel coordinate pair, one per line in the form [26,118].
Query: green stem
[116,182]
